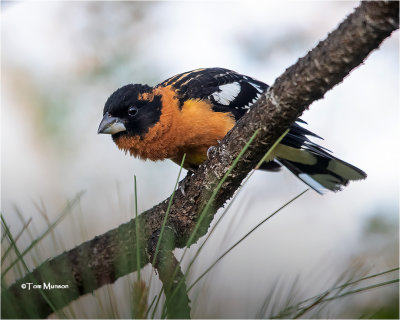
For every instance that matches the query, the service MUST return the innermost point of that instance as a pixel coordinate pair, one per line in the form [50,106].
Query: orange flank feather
[191,130]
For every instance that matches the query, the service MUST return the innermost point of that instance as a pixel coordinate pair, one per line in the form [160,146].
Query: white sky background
[46,51]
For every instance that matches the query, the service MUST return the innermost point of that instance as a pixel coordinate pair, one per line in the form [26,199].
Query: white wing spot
[256,86]
[228,93]
[247,106]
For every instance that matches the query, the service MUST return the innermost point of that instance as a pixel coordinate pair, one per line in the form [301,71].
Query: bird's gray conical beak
[111,125]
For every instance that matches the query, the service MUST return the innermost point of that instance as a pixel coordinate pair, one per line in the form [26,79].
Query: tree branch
[112,255]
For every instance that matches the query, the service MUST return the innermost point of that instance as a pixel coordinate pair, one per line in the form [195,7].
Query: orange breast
[191,130]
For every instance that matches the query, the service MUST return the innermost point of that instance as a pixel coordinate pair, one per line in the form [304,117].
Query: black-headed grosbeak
[192,111]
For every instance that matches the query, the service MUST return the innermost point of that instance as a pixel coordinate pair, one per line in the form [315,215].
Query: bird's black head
[131,110]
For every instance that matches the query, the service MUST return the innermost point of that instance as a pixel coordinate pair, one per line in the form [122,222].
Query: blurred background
[60,62]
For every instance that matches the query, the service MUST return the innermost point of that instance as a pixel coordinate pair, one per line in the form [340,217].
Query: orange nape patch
[191,130]
[149,96]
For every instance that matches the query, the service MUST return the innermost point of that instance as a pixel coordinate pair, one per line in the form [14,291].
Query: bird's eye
[132,111]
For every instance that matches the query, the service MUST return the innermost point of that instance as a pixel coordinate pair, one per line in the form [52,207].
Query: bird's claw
[182,185]
[210,150]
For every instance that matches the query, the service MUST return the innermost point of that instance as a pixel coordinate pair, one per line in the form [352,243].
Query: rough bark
[105,258]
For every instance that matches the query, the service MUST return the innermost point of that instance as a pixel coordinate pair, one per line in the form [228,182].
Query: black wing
[228,90]
[232,92]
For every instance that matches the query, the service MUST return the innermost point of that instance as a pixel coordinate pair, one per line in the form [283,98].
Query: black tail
[326,174]
[311,163]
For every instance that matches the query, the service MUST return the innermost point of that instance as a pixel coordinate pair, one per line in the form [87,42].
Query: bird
[192,111]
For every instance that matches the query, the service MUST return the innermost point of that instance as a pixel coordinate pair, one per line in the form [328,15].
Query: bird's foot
[210,151]
[182,184]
